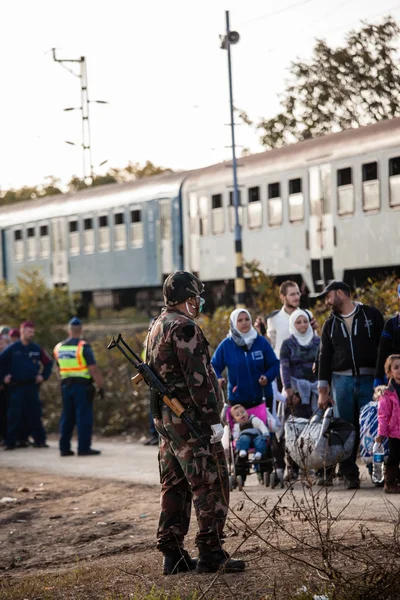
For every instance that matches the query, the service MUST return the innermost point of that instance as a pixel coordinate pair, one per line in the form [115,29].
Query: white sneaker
[242,454]
[257,456]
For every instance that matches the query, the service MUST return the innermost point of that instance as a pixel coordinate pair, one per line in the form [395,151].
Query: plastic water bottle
[377,466]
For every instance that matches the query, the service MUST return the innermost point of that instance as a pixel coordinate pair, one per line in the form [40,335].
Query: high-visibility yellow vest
[71,361]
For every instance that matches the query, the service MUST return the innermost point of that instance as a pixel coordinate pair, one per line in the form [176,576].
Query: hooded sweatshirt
[353,354]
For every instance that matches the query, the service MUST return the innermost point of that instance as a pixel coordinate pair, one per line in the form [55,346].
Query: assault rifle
[146,374]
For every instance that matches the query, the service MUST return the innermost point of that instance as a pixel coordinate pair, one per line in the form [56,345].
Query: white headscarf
[241,339]
[304,339]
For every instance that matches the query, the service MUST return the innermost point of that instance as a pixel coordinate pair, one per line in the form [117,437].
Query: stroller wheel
[231,482]
[239,481]
[273,480]
[266,478]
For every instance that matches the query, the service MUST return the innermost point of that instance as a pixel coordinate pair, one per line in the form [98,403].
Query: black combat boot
[213,560]
[178,561]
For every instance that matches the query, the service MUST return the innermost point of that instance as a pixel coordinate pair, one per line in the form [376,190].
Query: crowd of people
[340,369]
[24,367]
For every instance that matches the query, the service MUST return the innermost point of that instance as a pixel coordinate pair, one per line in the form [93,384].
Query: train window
[345,192]
[274,190]
[136,228]
[232,210]
[254,209]
[370,184]
[31,243]
[74,241]
[44,241]
[394,181]
[165,219]
[119,231]
[275,206]
[88,236]
[203,213]
[18,245]
[104,234]
[218,225]
[296,201]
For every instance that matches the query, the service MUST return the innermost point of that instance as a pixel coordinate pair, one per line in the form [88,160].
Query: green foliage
[51,186]
[32,300]
[338,88]
[264,287]
[381,293]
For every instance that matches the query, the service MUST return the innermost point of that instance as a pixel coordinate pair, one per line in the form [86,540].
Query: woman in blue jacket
[250,360]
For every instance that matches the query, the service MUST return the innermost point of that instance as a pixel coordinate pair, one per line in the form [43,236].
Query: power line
[276,12]
[380,14]
[328,14]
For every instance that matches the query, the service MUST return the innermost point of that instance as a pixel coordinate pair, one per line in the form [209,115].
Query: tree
[350,86]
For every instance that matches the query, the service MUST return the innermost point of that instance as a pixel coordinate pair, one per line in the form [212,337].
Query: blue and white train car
[313,211]
[109,243]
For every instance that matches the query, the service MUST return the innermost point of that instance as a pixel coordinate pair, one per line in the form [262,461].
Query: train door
[165,224]
[59,251]
[194,233]
[321,226]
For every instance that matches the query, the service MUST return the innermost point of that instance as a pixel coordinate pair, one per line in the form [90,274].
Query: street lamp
[231,38]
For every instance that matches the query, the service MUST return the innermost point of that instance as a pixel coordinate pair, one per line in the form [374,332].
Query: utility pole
[84,108]
[231,38]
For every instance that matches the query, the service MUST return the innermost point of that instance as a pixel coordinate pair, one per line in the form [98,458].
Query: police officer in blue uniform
[78,370]
[24,366]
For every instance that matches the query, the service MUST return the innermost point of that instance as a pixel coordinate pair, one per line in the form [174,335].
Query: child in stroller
[249,435]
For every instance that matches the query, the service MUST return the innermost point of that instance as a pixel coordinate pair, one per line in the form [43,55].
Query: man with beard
[348,352]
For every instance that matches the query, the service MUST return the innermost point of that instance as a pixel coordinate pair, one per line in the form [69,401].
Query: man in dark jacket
[347,359]
[23,367]
[388,344]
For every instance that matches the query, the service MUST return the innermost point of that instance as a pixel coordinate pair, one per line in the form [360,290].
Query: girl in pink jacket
[389,422]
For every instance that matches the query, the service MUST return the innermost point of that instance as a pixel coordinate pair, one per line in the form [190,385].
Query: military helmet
[180,286]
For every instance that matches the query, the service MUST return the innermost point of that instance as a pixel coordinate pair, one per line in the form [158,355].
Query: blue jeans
[77,409]
[350,395]
[247,441]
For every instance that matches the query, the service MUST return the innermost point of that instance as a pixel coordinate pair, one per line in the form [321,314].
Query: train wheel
[239,481]
[266,478]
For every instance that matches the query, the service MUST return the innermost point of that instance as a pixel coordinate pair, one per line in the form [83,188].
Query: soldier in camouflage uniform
[177,351]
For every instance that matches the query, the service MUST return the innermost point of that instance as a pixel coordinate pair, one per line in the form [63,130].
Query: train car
[113,244]
[313,211]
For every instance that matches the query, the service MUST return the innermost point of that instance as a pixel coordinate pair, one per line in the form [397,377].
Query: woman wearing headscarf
[250,361]
[297,357]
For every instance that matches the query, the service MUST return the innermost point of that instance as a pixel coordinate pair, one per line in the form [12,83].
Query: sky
[160,67]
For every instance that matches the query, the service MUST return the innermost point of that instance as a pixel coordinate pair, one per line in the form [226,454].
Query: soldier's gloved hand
[218,432]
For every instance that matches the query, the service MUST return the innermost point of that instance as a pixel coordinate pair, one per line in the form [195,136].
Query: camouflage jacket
[177,351]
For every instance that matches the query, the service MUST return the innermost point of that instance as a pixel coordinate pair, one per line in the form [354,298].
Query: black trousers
[393,459]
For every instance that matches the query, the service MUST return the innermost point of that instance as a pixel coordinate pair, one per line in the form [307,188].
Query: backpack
[369,431]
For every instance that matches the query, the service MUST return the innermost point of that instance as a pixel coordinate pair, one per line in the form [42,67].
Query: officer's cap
[27,325]
[75,322]
[14,333]
[180,286]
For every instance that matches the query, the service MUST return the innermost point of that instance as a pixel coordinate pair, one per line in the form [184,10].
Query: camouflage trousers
[190,469]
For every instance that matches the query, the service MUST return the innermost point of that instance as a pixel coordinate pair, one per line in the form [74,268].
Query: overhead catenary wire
[275,12]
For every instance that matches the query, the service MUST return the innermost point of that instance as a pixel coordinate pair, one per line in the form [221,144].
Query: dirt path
[91,538]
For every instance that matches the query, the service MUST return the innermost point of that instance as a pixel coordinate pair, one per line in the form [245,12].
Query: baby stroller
[241,468]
